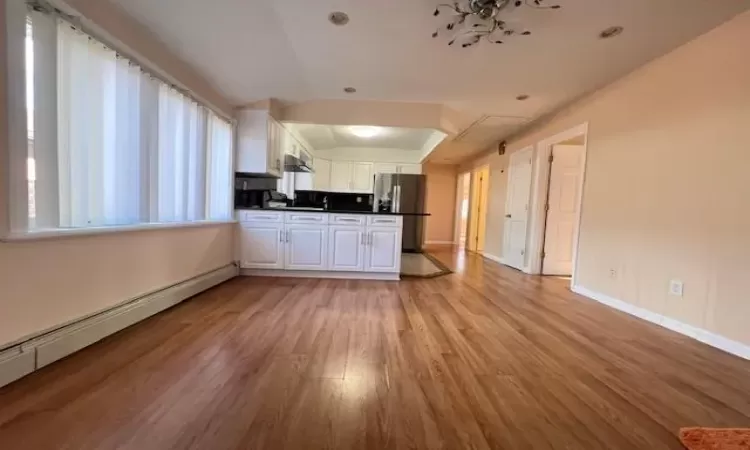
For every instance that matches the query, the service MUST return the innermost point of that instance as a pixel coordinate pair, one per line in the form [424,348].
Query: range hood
[294,164]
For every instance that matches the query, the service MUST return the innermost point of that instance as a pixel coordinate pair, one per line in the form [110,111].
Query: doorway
[559,168]
[480,185]
[463,191]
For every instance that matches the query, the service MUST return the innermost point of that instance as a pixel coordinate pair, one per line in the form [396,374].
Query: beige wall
[46,283]
[440,202]
[667,192]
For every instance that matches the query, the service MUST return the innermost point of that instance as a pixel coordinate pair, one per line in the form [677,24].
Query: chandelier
[480,20]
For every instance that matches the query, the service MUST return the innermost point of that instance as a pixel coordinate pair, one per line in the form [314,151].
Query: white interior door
[306,247]
[562,212]
[517,209]
[346,248]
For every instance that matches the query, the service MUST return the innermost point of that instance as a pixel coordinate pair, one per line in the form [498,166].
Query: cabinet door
[253,136]
[322,176]
[413,169]
[275,148]
[346,250]
[341,173]
[362,178]
[262,246]
[386,168]
[306,247]
[383,250]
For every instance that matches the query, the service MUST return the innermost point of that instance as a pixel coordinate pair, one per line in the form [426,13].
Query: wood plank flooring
[486,358]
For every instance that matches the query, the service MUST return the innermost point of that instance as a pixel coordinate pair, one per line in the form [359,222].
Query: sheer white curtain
[220,170]
[181,161]
[99,133]
[123,147]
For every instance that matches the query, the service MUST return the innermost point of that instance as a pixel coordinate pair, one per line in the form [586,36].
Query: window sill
[57,233]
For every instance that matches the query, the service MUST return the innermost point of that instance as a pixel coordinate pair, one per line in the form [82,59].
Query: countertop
[333,212]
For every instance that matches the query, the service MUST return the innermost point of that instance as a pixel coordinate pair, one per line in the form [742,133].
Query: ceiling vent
[489,130]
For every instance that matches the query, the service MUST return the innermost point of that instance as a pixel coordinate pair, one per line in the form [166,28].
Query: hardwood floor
[483,358]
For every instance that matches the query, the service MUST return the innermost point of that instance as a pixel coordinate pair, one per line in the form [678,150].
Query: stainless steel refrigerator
[401,193]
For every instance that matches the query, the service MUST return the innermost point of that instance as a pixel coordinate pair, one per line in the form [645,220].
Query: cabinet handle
[287,236]
[364,241]
[344,219]
[281,236]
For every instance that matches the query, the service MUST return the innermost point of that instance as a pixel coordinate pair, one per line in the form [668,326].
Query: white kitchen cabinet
[383,249]
[322,176]
[262,245]
[351,177]
[362,177]
[414,169]
[259,143]
[385,168]
[341,172]
[306,247]
[346,248]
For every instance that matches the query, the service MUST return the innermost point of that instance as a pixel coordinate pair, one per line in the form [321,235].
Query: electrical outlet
[613,273]
[676,287]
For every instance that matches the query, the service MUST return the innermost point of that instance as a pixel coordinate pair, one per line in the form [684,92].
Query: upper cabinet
[351,177]
[398,168]
[322,176]
[260,144]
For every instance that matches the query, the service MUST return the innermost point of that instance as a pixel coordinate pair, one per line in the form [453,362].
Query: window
[108,144]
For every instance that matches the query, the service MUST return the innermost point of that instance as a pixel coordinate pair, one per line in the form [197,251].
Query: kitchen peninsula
[314,243]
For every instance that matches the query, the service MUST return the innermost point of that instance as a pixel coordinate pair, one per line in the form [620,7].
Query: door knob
[507,216]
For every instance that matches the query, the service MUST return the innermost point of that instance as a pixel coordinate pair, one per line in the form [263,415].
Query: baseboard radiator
[42,350]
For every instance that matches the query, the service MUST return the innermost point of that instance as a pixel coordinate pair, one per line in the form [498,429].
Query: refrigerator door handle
[396,199]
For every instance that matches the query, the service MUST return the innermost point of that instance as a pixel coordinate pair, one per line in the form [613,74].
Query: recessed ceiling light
[365,132]
[338,18]
[611,32]
[349,90]
[522,97]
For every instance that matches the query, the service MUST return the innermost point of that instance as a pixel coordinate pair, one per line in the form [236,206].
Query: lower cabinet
[383,249]
[346,248]
[306,247]
[262,245]
[283,241]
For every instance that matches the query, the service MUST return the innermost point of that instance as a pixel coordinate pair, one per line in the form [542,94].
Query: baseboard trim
[320,274]
[15,364]
[492,257]
[699,334]
[40,351]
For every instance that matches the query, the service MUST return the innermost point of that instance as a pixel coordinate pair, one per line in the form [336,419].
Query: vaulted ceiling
[287,49]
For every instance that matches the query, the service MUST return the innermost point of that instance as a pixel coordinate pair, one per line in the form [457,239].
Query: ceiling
[287,49]
[325,137]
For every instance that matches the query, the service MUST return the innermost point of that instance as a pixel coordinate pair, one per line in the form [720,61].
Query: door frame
[540,188]
[460,180]
[476,214]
